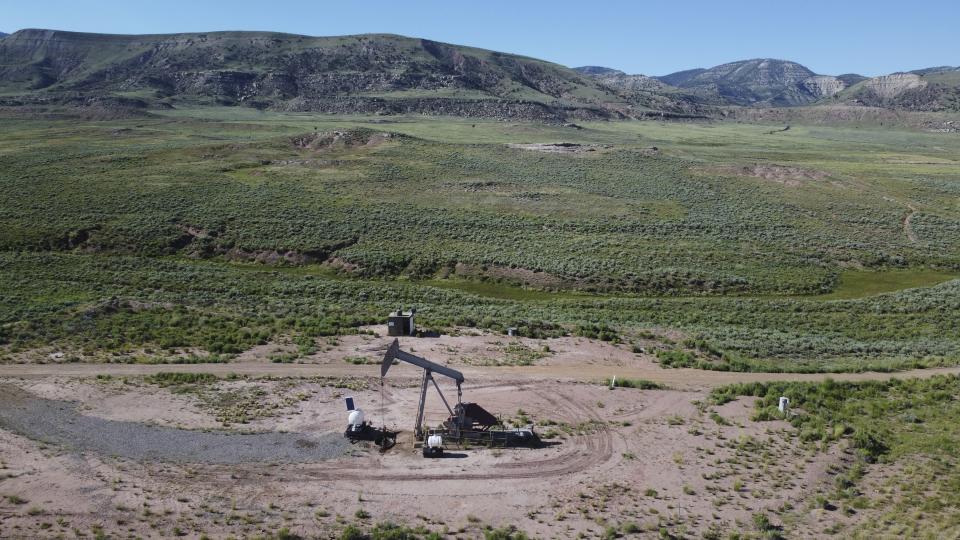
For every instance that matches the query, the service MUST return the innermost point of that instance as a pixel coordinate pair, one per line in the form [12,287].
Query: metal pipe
[418,429]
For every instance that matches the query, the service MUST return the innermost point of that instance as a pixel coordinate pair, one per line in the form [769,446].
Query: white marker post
[784,404]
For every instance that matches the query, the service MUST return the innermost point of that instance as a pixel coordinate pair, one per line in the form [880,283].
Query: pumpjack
[468,422]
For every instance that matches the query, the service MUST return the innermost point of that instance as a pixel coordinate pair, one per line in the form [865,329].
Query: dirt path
[679,378]
[906,223]
[907,226]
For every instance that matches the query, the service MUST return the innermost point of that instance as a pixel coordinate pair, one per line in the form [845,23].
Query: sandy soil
[561,147]
[149,405]
[611,446]
[652,459]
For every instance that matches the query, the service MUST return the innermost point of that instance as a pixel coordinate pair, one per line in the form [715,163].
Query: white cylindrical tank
[435,441]
[356,418]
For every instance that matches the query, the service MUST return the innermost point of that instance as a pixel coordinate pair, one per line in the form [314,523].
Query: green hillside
[129,232]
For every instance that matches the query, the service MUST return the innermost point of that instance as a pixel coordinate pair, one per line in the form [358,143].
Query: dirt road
[478,355]
[678,378]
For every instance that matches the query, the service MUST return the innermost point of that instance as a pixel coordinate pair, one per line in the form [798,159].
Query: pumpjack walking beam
[394,353]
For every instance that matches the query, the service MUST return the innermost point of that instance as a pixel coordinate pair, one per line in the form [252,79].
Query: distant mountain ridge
[647,90]
[596,71]
[936,69]
[760,81]
[374,73]
[681,77]
[779,83]
[617,79]
[390,74]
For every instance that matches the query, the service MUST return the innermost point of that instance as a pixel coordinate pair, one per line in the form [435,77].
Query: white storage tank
[355,420]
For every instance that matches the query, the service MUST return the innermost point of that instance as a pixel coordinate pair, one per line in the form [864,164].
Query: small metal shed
[401,323]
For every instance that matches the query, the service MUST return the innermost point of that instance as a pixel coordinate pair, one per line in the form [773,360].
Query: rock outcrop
[823,85]
[891,86]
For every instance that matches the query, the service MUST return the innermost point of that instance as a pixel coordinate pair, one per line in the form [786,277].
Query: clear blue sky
[655,37]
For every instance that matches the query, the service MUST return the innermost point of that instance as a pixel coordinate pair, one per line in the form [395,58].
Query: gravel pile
[58,422]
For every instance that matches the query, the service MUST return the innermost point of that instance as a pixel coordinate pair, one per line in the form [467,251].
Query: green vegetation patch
[908,427]
[859,284]
[166,378]
[642,384]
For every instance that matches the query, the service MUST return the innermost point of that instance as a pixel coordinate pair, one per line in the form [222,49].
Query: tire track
[587,451]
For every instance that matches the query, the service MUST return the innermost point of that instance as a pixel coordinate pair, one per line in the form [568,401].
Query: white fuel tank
[435,441]
[356,418]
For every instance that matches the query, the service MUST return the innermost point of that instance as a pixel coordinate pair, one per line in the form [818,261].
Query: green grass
[859,284]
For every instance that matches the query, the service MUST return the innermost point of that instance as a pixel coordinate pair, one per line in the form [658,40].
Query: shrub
[597,331]
[642,384]
[165,378]
[504,533]
[869,443]
[285,534]
[352,532]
